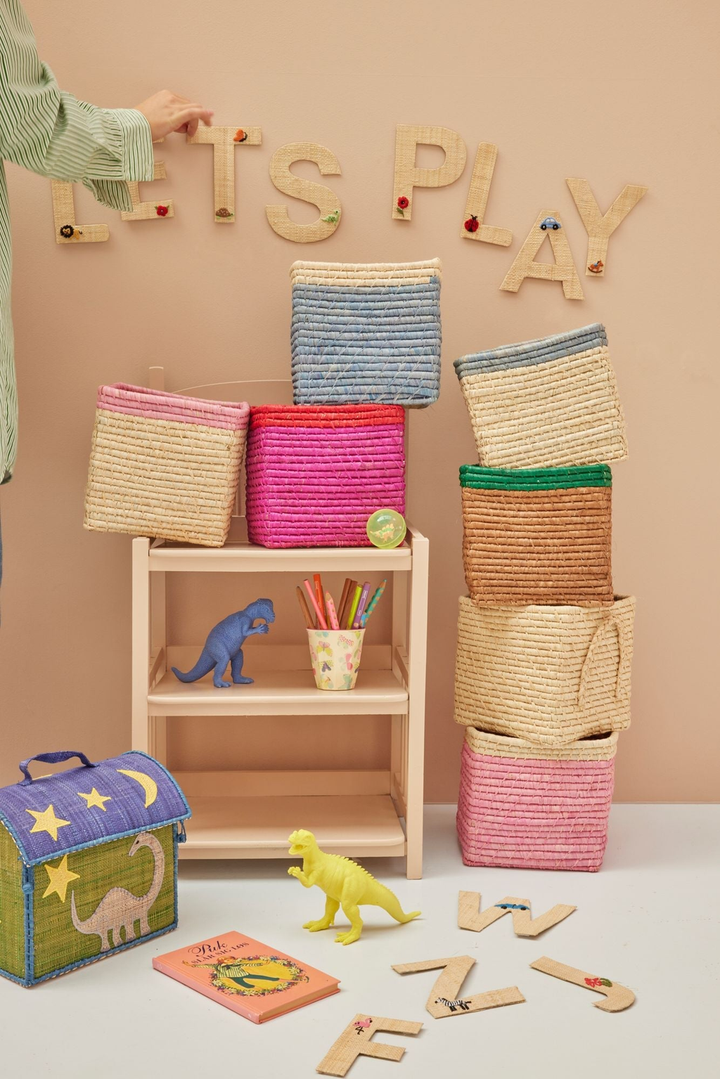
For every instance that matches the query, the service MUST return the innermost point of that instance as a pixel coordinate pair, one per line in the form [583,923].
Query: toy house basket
[551,675]
[88,862]
[526,807]
[164,465]
[315,474]
[537,536]
[545,403]
[366,333]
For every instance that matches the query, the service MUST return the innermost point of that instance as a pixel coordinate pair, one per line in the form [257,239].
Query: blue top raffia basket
[366,333]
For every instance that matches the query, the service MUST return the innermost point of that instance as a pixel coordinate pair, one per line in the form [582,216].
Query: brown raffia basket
[531,807]
[549,402]
[164,465]
[550,675]
[538,535]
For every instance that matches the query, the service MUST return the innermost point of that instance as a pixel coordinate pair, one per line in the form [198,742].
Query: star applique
[60,876]
[47,822]
[95,799]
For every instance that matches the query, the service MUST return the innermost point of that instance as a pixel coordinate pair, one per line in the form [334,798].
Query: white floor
[648,920]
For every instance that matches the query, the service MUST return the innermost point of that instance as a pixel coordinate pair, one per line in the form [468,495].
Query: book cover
[246,976]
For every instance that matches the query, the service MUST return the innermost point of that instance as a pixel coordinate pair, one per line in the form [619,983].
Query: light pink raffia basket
[164,465]
[547,674]
[528,807]
[316,473]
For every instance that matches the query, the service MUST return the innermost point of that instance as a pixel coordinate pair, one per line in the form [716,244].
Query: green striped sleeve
[50,132]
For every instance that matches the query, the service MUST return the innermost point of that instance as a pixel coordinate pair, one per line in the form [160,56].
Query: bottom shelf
[233,826]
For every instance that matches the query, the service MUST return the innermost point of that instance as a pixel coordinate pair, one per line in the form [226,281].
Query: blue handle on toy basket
[52,758]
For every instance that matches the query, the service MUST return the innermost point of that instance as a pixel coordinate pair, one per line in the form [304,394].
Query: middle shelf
[284,685]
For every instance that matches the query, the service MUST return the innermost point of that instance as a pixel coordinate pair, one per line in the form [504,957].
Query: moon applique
[146,782]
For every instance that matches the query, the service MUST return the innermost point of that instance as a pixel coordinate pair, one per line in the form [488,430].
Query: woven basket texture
[549,674]
[366,333]
[12,934]
[315,475]
[101,867]
[520,807]
[550,405]
[537,536]
[164,465]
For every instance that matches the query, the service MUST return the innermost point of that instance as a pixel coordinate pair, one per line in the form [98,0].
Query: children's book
[242,974]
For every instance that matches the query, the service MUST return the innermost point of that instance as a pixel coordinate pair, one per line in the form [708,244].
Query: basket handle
[51,758]
[612,622]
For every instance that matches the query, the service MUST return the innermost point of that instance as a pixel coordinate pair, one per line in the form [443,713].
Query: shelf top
[239,554]
[279,692]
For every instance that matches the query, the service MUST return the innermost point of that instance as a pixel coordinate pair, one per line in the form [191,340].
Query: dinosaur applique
[120,909]
[346,885]
[224,645]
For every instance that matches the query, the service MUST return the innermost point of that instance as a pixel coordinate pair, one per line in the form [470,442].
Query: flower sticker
[595,983]
[402,205]
[161,210]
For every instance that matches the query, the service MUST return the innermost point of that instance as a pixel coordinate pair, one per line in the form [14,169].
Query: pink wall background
[618,94]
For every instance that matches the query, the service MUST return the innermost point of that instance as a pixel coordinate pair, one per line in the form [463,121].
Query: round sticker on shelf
[386,529]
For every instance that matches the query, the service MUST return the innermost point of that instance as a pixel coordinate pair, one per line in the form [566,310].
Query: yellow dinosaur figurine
[345,883]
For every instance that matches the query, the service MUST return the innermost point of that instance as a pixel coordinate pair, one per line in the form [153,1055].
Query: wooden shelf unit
[357,813]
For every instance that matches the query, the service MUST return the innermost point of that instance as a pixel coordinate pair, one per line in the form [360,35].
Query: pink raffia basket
[316,473]
[166,465]
[527,807]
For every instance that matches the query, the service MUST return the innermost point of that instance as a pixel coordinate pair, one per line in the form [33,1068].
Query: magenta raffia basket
[531,807]
[315,474]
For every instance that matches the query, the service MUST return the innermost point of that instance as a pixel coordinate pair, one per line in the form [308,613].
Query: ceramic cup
[335,656]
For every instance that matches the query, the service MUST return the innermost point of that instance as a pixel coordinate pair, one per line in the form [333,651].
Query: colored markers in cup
[353,612]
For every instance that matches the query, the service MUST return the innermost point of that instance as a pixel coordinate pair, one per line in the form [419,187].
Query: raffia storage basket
[88,862]
[551,675]
[537,535]
[315,474]
[529,808]
[164,465]
[366,333]
[548,402]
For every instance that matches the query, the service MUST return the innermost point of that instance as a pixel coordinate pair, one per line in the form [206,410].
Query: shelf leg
[417,659]
[140,642]
[158,640]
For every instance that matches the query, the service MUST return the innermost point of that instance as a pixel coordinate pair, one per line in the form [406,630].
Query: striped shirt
[52,133]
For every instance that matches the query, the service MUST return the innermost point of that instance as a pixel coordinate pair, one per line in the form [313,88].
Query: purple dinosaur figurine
[224,645]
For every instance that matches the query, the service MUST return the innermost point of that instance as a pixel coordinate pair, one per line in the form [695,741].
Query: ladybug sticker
[472,224]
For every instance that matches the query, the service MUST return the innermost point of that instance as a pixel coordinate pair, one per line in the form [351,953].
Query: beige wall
[617,93]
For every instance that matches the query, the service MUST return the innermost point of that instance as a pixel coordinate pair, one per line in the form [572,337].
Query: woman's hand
[166,112]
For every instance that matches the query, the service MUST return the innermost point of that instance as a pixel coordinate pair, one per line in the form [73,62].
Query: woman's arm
[50,132]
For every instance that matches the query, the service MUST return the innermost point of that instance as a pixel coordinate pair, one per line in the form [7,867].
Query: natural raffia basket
[366,333]
[316,474]
[548,402]
[547,674]
[537,535]
[164,465]
[530,808]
